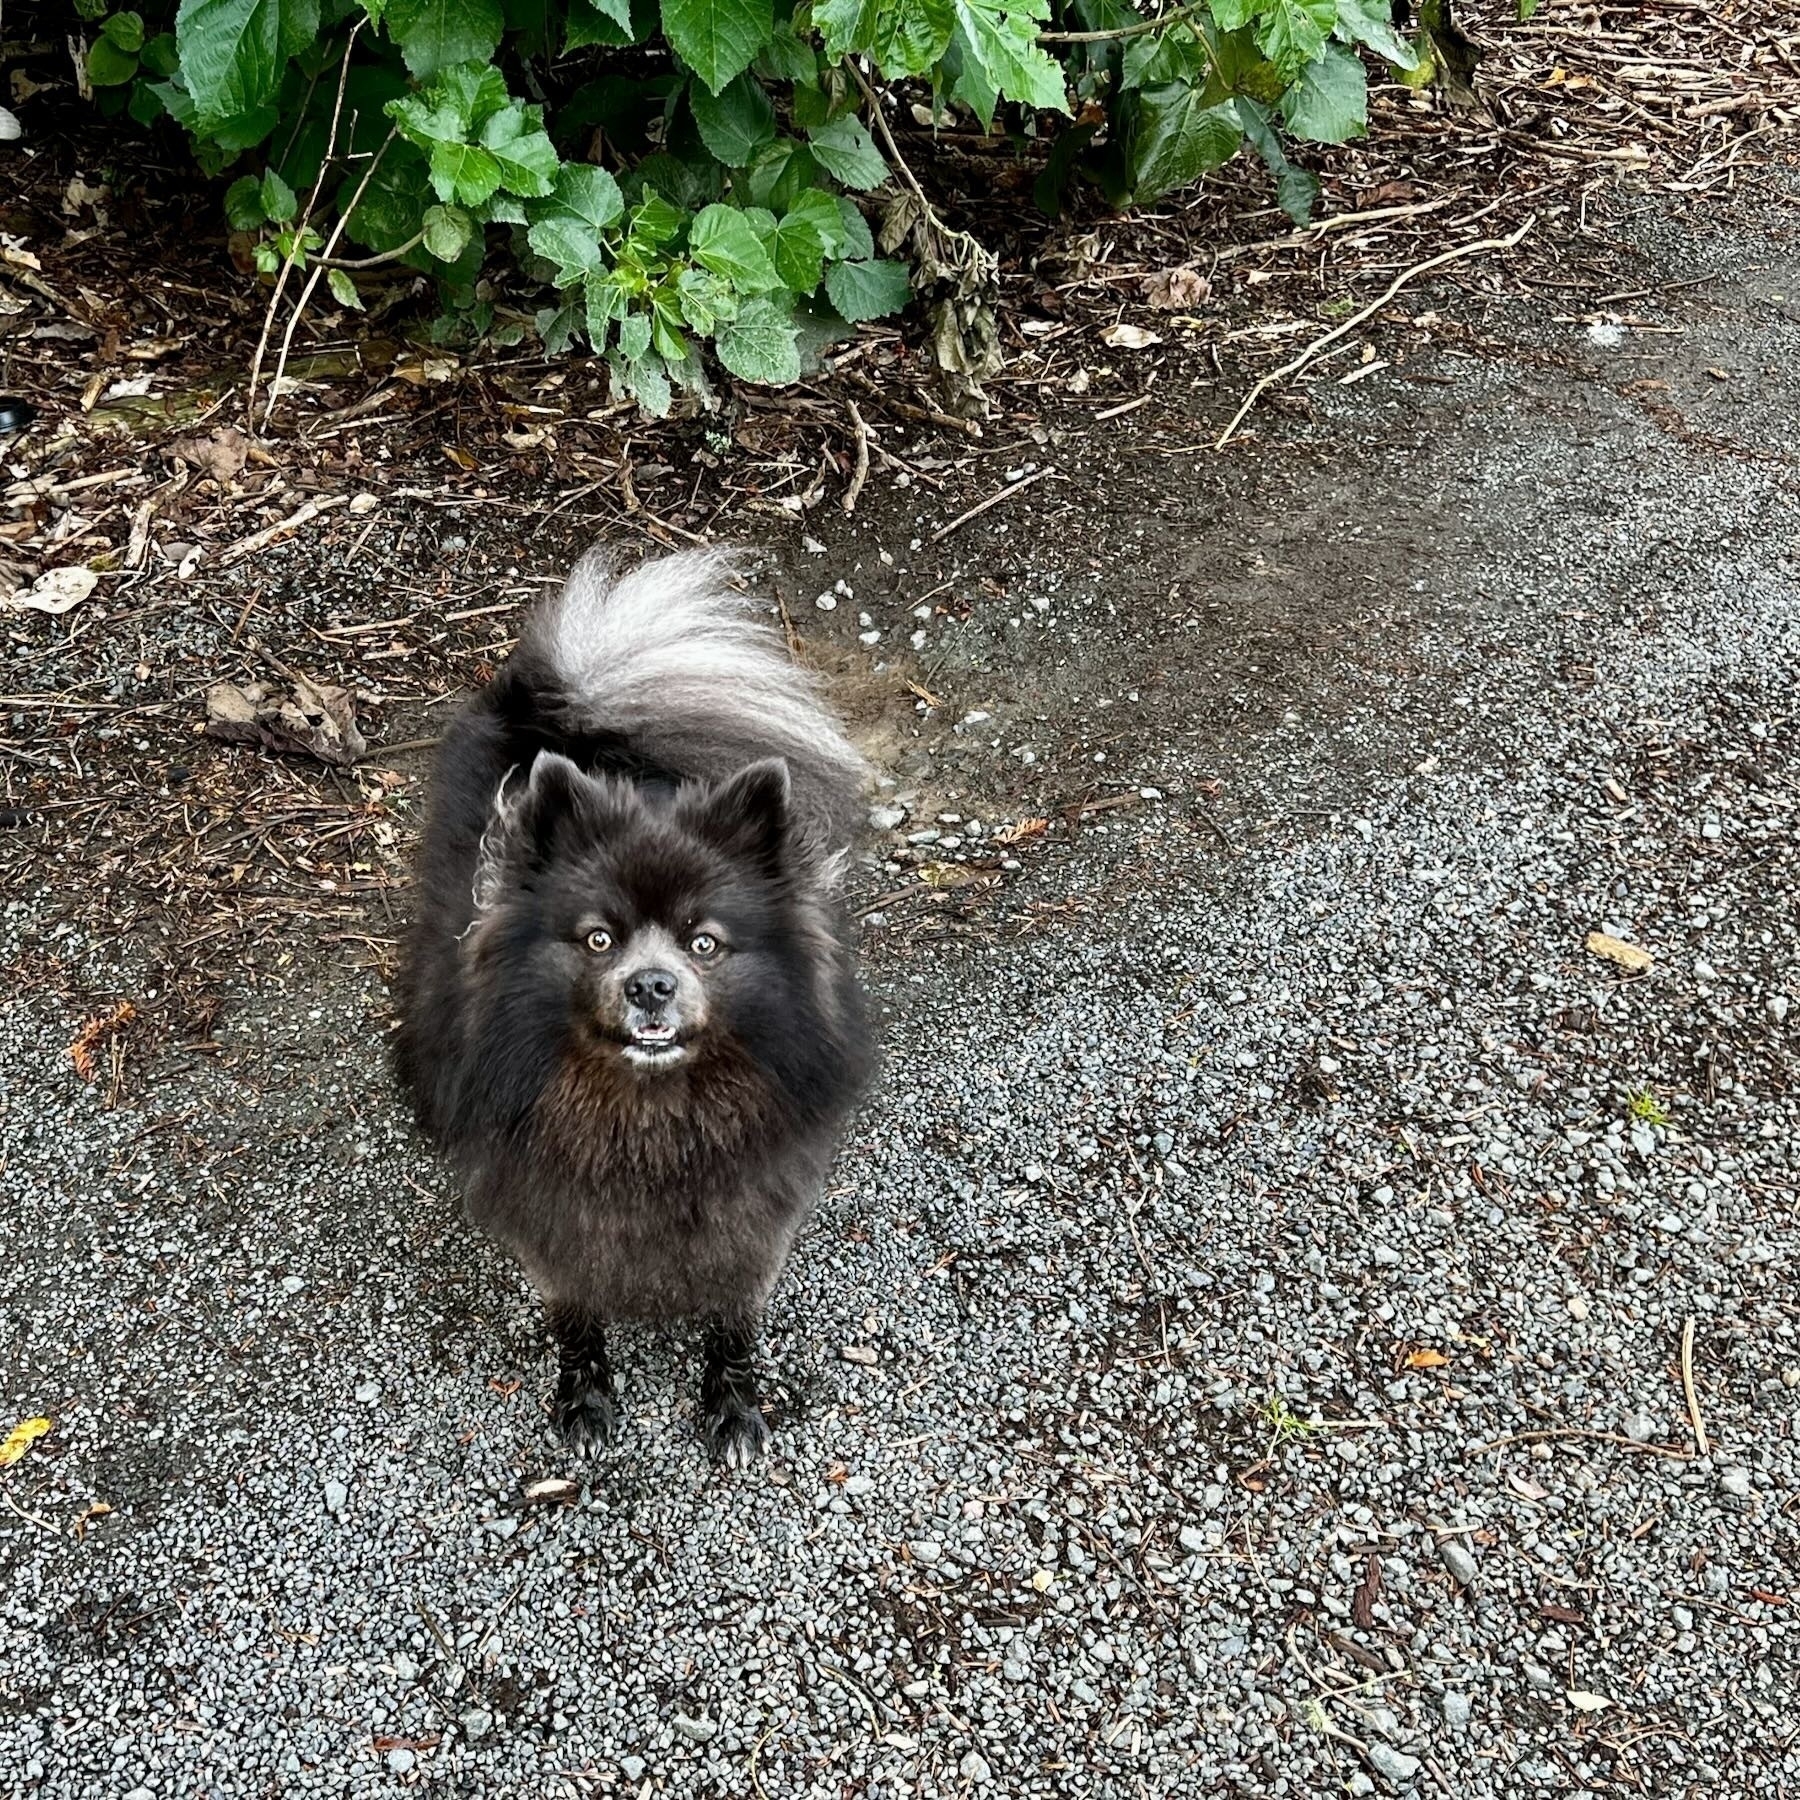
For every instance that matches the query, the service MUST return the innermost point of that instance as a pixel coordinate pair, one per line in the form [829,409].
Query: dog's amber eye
[703,943]
[599,942]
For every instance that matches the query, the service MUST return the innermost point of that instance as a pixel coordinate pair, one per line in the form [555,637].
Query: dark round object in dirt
[15,414]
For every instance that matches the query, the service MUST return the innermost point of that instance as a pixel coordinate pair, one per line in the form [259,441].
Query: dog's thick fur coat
[629,1012]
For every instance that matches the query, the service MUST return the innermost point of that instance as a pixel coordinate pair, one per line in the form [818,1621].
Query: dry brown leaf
[1128,337]
[1177,290]
[98,1509]
[1019,833]
[1627,956]
[95,1033]
[309,719]
[1427,1359]
[56,591]
[20,1439]
[220,454]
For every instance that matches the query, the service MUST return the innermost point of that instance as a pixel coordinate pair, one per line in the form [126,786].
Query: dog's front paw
[737,1435]
[587,1420]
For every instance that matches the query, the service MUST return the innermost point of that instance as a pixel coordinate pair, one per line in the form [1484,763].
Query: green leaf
[905,37]
[821,211]
[761,345]
[1527,8]
[666,334]
[645,380]
[447,231]
[1329,104]
[845,150]
[603,300]
[503,209]
[343,289]
[463,172]
[604,22]
[704,299]
[244,132]
[1371,22]
[718,38]
[868,290]
[144,106]
[526,157]
[723,240]
[424,124]
[634,336]
[108,65]
[279,201]
[435,34]
[244,204]
[972,85]
[1296,190]
[798,253]
[787,56]
[234,52]
[391,206]
[474,92]
[684,184]
[817,327]
[1292,33]
[588,194]
[1177,138]
[556,327]
[160,56]
[1001,36]
[571,243]
[125,31]
[859,243]
[737,124]
[654,222]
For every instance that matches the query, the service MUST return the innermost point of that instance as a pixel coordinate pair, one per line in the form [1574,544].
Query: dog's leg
[730,1409]
[583,1408]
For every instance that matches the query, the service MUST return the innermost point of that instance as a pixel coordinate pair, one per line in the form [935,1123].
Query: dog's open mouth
[653,1045]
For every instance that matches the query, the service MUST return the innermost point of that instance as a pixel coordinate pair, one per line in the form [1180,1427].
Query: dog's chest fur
[650,1201]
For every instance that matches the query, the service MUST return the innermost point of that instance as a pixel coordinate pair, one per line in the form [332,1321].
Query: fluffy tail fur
[672,659]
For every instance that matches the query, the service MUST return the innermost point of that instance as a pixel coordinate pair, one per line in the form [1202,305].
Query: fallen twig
[860,474]
[1687,1388]
[1574,1431]
[261,540]
[1357,318]
[994,499]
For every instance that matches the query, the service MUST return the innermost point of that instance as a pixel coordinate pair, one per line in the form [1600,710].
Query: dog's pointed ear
[553,792]
[523,823]
[747,814]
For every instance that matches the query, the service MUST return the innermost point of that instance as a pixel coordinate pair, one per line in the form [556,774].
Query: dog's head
[654,926]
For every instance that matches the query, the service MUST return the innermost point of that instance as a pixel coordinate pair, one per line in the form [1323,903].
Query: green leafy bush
[685,172]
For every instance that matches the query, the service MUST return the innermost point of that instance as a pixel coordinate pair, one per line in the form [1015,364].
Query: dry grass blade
[1330,337]
[1687,1388]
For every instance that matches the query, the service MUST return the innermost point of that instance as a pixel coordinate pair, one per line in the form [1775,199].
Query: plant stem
[318,268]
[372,262]
[298,240]
[1141,29]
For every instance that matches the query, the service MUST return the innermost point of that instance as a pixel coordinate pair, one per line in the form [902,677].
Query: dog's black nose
[652,989]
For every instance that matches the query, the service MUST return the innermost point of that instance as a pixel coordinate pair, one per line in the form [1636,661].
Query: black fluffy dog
[629,1011]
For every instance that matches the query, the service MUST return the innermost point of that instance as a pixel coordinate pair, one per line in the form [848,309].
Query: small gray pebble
[1396,1765]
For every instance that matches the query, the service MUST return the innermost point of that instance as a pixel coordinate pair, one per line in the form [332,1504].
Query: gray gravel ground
[1239,1352]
